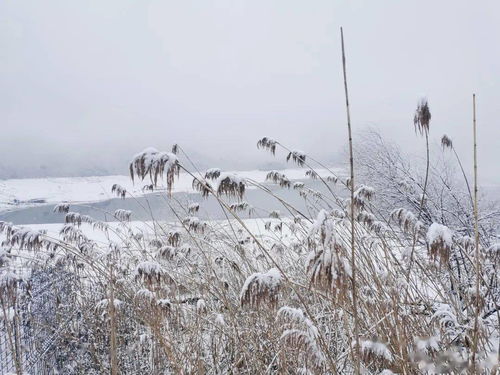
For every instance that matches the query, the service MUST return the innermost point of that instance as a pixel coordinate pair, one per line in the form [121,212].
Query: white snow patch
[438,232]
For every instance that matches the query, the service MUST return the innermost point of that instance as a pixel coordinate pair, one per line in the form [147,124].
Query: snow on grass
[261,286]
[52,230]
[377,348]
[439,233]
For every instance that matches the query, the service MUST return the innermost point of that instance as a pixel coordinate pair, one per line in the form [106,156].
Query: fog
[85,85]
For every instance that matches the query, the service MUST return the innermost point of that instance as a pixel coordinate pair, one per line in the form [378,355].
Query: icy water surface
[159,207]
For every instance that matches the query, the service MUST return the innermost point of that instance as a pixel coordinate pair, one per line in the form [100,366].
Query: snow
[212,173]
[193,207]
[260,282]
[219,320]
[123,215]
[8,278]
[291,313]
[53,230]
[152,157]
[445,315]
[164,302]
[364,192]
[424,345]
[8,315]
[201,305]
[145,294]
[296,315]
[149,268]
[17,193]
[20,193]
[319,221]
[104,303]
[495,248]
[297,156]
[230,184]
[438,233]
[301,338]
[377,348]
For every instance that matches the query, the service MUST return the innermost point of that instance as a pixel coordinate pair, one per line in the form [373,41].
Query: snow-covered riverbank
[21,193]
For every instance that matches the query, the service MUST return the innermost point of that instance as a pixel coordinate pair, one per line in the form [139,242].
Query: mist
[85,85]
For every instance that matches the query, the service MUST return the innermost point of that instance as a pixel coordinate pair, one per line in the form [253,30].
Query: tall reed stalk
[112,325]
[353,253]
[476,239]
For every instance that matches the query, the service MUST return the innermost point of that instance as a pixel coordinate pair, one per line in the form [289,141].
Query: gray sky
[86,84]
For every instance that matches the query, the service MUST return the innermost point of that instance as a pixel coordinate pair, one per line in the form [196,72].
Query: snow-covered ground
[119,231]
[256,226]
[21,193]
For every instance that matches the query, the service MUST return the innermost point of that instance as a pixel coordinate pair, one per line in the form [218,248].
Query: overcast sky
[86,84]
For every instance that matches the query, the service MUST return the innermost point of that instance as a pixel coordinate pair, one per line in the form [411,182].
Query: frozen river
[158,206]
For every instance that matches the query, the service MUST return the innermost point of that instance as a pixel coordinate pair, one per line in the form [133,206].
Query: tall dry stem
[447,143]
[353,257]
[112,325]
[476,238]
[421,121]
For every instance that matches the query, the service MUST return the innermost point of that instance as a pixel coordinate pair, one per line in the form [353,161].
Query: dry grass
[246,297]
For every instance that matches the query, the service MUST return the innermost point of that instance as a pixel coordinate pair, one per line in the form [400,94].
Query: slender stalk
[357,366]
[422,199]
[465,176]
[476,238]
[427,167]
[112,323]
